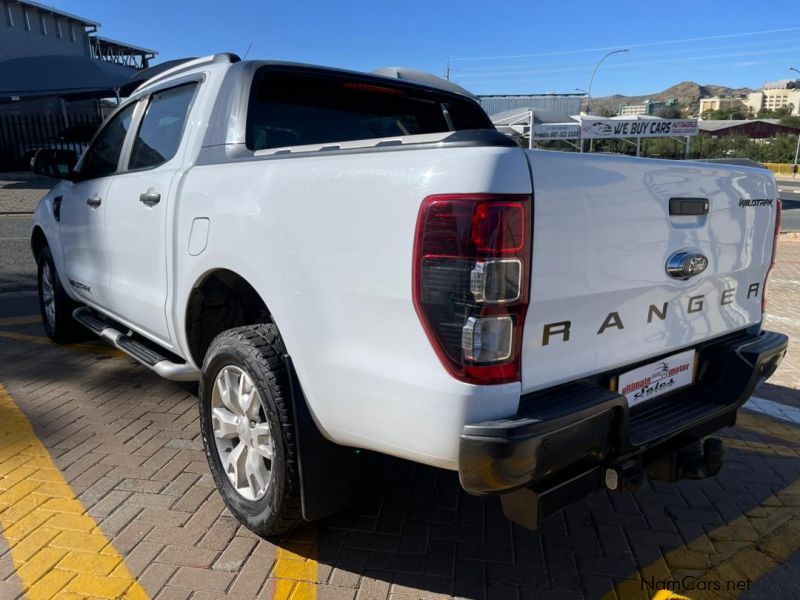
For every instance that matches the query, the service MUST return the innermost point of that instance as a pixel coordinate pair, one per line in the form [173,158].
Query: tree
[669,112]
[791,122]
[724,114]
[776,113]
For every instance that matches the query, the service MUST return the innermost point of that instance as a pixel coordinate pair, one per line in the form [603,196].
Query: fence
[779,168]
[21,136]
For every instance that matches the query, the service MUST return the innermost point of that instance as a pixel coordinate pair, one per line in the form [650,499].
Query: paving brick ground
[19,192]
[128,444]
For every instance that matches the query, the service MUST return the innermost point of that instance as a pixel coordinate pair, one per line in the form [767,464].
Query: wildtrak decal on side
[80,286]
[614,321]
[755,202]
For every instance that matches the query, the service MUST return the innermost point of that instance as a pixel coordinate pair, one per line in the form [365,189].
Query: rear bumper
[571,433]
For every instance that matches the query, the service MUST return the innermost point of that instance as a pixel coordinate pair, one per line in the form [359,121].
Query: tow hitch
[528,506]
[696,461]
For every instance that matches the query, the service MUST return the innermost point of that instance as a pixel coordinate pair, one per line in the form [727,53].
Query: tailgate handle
[694,207]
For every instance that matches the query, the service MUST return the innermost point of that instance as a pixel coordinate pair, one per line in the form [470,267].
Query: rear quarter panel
[327,240]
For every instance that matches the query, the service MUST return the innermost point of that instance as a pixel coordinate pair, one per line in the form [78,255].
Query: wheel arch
[38,241]
[220,299]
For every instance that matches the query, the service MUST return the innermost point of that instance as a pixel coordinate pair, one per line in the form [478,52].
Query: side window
[160,132]
[103,155]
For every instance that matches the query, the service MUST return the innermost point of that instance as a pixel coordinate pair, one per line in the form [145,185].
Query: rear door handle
[150,198]
[94,201]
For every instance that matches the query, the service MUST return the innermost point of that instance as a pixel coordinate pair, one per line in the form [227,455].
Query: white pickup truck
[352,262]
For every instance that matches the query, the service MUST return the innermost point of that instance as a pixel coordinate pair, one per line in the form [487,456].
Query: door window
[162,127]
[102,157]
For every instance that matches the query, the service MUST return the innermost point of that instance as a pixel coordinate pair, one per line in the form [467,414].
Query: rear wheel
[248,430]
[54,304]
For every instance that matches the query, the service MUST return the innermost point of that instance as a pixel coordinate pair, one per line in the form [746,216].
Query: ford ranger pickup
[352,264]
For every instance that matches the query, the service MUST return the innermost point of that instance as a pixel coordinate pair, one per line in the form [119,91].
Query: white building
[719,103]
[776,94]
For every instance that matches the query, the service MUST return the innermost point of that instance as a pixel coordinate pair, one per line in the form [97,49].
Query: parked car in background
[74,139]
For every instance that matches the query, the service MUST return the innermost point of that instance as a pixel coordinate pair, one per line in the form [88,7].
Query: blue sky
[495,47]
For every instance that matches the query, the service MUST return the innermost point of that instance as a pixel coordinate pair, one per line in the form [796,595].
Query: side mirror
[54,163]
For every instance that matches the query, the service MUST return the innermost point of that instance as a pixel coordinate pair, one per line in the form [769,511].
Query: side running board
[149,357]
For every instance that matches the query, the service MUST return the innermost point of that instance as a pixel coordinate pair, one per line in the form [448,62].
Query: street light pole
[585,93]
[594,72]
[589,92]
[797,151]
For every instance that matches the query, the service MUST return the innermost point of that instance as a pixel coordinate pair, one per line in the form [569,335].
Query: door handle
[150,198]
[94,201]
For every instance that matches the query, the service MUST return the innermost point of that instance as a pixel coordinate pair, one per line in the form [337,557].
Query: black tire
[61,328]
[257,350]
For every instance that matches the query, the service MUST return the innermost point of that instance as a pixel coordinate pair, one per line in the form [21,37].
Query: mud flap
[330,474]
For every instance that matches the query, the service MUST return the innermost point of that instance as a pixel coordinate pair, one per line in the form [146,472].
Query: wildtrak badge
[744,202]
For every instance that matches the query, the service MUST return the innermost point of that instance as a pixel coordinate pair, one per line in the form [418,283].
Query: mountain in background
[688,94]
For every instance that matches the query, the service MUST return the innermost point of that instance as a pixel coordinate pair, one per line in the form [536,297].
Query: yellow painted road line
[25,320]
[38,339]
[770,531]
[57,549]
[296,571]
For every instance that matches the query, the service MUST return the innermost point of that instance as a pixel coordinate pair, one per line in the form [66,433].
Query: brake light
[778,211]
[471,282]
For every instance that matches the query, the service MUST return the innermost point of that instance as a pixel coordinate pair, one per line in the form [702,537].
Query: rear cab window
[295,108]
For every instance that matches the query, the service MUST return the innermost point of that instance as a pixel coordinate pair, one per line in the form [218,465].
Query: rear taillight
[778,210]
[471,282]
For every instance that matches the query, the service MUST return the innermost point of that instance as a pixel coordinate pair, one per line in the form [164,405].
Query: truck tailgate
[600,295]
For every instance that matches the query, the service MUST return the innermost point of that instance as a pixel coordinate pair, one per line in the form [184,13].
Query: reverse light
[496,281]
[487,339]
[471,280]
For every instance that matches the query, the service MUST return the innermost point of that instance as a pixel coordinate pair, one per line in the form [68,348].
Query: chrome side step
[129,345]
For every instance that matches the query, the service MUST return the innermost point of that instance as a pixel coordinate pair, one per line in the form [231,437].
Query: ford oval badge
[686,264]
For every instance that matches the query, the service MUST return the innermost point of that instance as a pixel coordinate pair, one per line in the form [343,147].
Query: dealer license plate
[657,378]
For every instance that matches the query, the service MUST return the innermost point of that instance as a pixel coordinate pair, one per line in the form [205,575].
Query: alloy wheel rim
[242,433]
[48,295]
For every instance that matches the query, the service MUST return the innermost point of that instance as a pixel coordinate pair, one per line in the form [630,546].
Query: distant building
[648,107]
[564,104]
[776,94]
[719,103]
[31,29]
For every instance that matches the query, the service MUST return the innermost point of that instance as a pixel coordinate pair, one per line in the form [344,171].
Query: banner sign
[556,131]
[618,128]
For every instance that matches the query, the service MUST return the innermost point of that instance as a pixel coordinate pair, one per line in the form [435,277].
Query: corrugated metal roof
[521,116]
[55,11]
[716,125]
[561,104]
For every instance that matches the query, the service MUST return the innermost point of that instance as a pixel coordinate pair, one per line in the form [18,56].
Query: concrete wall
[39,33]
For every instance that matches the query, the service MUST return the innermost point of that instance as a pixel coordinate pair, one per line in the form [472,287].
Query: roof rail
[222,57]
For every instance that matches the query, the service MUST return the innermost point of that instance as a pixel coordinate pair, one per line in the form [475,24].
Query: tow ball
[696,461]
